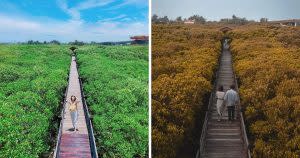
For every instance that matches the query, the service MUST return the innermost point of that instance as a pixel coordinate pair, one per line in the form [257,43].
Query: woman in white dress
[220,98]
[74,111]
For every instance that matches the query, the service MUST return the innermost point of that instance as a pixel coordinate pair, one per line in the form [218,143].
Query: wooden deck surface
[74,144]
[224,139]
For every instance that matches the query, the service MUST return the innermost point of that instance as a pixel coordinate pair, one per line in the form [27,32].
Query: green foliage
[116,83]
[32,79]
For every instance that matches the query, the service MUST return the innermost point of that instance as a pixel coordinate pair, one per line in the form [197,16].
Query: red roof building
[140,39]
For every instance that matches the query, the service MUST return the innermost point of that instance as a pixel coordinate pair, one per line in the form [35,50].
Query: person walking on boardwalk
[74,111]
[231,100]
[220,97]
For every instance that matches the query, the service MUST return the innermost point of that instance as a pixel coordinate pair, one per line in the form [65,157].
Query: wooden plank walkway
[74,144]
[223,139]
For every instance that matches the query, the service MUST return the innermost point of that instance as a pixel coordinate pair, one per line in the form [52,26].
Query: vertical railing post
[57,147]
[201,151]
[87,116]
[240,114]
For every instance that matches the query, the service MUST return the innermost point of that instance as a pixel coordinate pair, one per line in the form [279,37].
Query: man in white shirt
[231,100]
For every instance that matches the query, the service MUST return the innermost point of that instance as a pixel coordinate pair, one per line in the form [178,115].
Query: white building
[189,22]
[292,22]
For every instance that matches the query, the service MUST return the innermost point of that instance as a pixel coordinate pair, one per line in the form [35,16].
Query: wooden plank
[215,144]
[74,143]
[224,138]
[224,155]
[223,134]
[74,89]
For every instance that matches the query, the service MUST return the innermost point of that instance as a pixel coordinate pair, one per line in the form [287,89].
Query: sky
[217,9]
[69,20]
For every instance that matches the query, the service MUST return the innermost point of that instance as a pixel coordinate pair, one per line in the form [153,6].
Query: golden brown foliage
[268,64]
[184,58]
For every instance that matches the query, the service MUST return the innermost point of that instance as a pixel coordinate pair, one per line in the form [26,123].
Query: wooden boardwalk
[223,139]
[74,144]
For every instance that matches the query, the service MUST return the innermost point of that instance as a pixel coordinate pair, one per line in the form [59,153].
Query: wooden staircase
[223,139]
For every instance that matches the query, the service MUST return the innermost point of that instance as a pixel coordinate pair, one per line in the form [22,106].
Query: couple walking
[228,99]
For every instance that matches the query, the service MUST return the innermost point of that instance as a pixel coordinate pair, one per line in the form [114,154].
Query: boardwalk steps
[223,139]
[81,143]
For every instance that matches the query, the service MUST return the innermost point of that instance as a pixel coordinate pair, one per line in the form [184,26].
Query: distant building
[189,22]
[291,22]
[139,39]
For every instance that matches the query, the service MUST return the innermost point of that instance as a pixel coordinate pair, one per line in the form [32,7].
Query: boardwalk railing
[244,133]
[93,147]
[200,152]
[88,123]
[203,135]
[88,119]
[240,114]
[57,148]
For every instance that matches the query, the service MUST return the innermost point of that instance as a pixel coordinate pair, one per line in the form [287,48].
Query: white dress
[220,99]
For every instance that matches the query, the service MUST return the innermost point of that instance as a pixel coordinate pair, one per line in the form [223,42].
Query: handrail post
[243,128]
[57,147]
[88,119]
[239,114]
[200,152]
